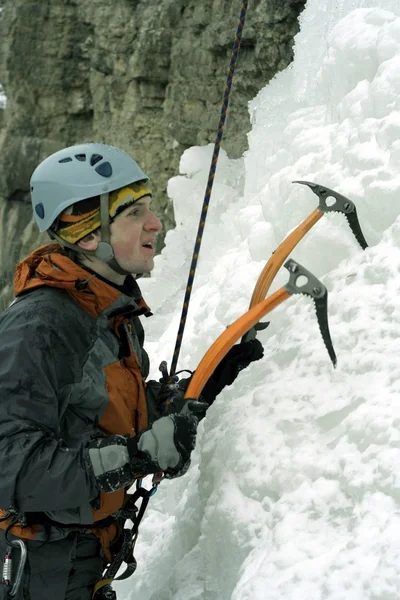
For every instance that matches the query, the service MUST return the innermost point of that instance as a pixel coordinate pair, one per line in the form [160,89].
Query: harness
[102,589]
[127,541]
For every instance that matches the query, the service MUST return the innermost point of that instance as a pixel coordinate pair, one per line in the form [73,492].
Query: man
[78,423]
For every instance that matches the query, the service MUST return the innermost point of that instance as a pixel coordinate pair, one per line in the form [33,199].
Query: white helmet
[77,173]
[74,174]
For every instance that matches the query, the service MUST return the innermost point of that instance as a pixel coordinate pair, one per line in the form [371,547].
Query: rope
[211,175]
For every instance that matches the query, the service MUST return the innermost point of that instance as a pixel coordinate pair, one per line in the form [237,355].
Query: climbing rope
[211,175]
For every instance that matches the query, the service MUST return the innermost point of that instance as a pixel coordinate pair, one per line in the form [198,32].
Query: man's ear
[89,242]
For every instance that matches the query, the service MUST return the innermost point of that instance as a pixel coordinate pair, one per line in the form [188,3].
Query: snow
[294,487]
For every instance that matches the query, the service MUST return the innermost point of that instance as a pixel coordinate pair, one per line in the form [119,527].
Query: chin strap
[104,250]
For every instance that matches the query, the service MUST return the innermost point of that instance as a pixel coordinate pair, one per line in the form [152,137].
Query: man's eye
[139,211]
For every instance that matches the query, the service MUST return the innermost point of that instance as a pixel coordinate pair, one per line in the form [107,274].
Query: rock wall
[145,75]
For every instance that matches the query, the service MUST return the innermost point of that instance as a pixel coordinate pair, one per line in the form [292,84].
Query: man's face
[133,234]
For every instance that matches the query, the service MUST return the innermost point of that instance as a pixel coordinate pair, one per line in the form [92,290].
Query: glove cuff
[132,447]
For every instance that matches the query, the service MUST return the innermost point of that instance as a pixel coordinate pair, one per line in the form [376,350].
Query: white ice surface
[294,489]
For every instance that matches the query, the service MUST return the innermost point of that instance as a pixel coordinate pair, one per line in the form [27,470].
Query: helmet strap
[104,250]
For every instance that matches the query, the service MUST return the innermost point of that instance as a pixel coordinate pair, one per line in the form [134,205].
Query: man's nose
[153,223]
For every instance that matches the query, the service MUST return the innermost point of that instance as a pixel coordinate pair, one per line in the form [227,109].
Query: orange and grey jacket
[71,363]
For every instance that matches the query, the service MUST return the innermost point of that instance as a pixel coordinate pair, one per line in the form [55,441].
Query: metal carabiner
[157,478]
[7,566]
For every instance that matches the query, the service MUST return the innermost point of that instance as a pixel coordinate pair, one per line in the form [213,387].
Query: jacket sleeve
[152,387]
[38,471]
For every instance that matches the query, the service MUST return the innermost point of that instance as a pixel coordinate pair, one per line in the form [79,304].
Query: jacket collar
[49,266]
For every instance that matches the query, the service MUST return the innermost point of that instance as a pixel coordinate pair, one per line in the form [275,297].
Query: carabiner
[7,566]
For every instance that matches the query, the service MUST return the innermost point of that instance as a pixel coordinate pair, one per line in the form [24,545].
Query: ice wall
[294,488]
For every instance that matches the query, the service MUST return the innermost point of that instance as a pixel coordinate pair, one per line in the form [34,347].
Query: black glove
[239,357]
[116,460]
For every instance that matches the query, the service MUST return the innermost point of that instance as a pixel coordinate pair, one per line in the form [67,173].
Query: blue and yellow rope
[211,175]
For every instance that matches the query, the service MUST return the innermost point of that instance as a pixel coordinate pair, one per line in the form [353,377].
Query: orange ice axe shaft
[313,288]
[339,204]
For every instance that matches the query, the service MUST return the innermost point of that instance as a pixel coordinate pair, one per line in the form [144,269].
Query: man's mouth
[148,245]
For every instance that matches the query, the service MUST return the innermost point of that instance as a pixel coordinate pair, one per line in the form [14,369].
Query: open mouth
[149,246]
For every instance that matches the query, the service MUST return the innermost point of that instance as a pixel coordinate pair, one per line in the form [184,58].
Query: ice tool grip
[341,205]
[313,288]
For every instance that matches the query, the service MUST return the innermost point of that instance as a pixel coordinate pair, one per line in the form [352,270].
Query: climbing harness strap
[129,537]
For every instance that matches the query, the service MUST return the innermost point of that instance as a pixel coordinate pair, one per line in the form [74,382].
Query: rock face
[147,76]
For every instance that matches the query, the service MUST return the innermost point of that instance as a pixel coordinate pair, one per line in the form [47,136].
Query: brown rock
[147,76]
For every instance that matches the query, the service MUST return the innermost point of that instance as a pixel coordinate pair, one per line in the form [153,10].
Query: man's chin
[145,268]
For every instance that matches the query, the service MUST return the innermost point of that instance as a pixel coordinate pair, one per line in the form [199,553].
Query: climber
[78,423]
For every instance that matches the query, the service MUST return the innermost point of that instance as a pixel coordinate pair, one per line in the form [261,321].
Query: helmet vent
[39,209]
[104,169]
[81,157]
[94,159]
[65,160]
